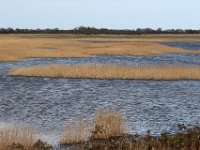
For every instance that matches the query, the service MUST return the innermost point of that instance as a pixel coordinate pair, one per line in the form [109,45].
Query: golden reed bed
[110,72]
[10,135]
[17,47]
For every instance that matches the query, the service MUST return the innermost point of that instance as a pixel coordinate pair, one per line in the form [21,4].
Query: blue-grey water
[51,103]
[184,45]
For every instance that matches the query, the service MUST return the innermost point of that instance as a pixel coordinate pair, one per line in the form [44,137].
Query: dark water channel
[50,103]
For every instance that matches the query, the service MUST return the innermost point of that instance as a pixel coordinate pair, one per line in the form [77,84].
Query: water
[49,104]
[172,59]
[184,45]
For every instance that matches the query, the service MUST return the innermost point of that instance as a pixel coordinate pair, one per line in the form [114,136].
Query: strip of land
[110,72]
[17,47]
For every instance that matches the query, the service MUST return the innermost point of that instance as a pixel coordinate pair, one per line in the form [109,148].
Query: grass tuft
[21,136]
[77,132]
[108,123]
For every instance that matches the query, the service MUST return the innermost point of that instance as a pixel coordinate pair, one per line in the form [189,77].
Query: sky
[115,14]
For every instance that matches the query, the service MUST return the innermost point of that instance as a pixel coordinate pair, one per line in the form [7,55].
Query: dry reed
[77,132]
[16,135]
[108,123]
[15,48]
[167,72]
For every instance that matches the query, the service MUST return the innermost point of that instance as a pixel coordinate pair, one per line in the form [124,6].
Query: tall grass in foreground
[16,135]
[108,133]
[77,132]
[107,123]
[165,72]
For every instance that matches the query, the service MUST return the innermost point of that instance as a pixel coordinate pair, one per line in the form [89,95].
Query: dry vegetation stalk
[166,72]
[110,123]
[16,135]
[107,123]
[77,132]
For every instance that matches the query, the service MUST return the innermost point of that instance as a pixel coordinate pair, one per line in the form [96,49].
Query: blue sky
[117,14]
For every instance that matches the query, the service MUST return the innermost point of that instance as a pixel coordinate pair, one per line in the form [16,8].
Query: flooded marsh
[50,103]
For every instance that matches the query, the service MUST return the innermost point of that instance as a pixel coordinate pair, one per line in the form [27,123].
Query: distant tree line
[93,30]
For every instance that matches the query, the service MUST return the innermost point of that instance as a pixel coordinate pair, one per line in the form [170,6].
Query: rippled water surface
[50,103]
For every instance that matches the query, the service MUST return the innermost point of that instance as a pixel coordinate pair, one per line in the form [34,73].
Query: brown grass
[16,135]
[111,72]
[109,134]
[135,48]
[107,124]
[110,123]
[77,132]
[17,47]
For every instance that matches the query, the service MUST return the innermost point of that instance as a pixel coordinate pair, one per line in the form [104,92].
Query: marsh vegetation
[110,72]
[107,132]
[21,138]
[16,48]
[52,103]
